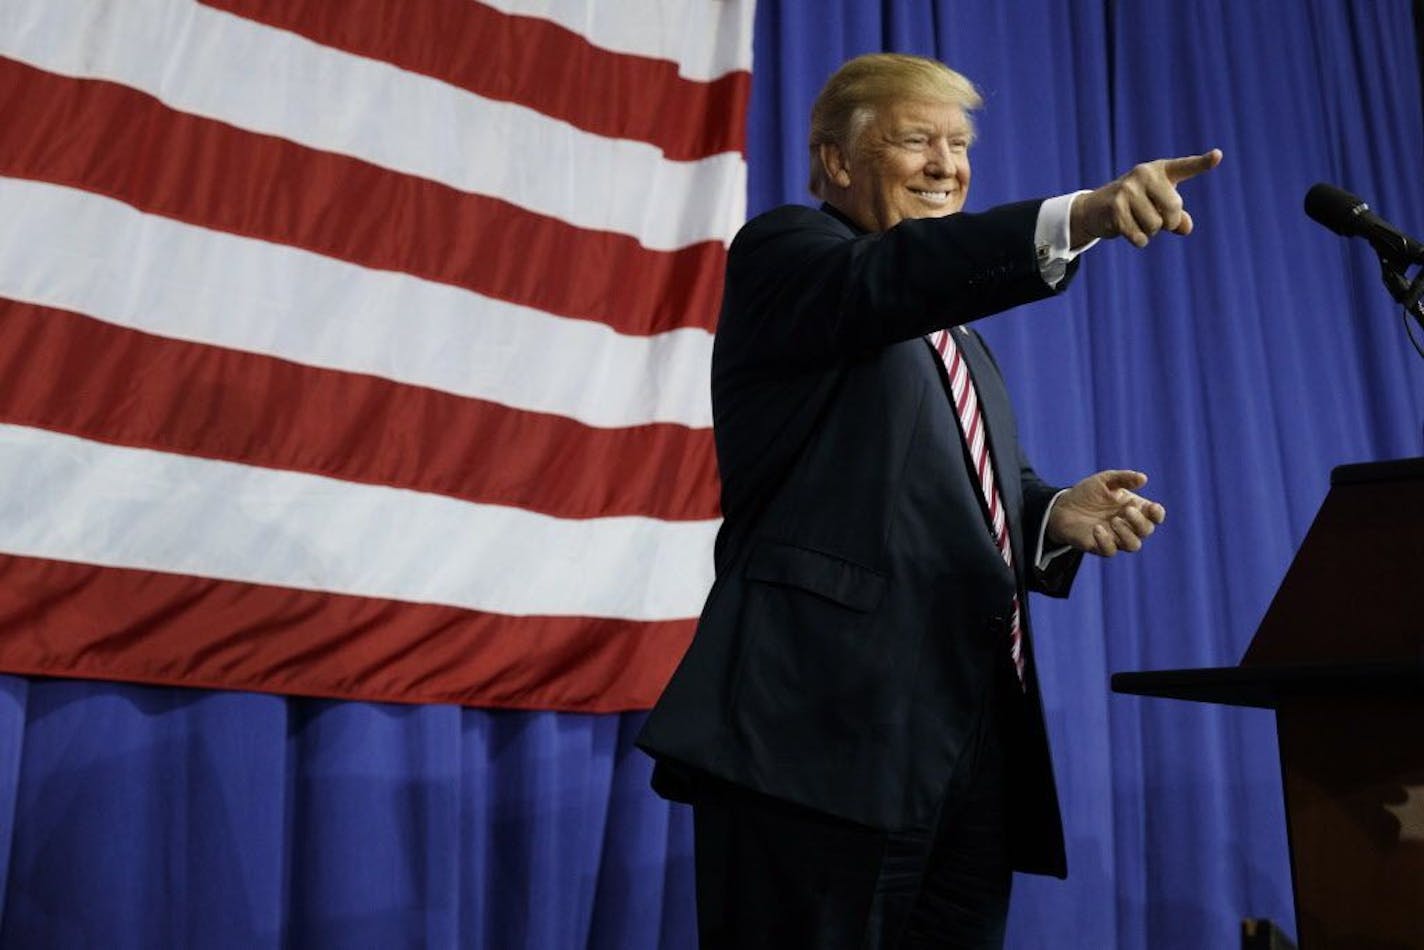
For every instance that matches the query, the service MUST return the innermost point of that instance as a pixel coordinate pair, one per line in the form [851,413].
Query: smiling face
[911,160]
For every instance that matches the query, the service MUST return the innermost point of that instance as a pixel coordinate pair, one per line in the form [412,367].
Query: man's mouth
[933,197]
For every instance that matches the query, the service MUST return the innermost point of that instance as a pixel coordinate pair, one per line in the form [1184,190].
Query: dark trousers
[771,874]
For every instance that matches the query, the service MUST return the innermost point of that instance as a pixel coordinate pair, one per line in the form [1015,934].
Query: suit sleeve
[1056,579]
[802,289]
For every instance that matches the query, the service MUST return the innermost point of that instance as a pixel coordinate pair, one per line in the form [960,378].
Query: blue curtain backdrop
[1237,367]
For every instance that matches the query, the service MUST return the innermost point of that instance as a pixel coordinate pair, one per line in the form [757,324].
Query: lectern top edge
[1357,473]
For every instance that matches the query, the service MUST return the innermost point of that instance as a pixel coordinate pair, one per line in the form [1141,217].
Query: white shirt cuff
[1052,238]
[1041,558]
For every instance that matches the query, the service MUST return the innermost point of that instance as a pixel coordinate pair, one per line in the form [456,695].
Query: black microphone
[1348,215]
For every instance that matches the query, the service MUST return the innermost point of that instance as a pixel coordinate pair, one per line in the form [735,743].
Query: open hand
[1102,514]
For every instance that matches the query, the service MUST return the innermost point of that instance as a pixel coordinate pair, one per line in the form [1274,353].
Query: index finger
[1154,511]
[1180,169]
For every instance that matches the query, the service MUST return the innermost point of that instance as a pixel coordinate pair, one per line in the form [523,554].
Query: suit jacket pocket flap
[848,584]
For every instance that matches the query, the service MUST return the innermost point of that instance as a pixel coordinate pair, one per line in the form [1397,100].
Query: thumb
[1115,478]
[1180,169]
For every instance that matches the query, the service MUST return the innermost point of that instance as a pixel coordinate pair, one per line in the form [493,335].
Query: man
[857,722]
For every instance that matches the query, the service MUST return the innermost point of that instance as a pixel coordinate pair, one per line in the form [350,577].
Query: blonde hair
[850,97]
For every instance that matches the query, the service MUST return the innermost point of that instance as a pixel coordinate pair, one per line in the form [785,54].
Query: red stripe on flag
[530,61]
[68,373]
[216,176]
[63,619]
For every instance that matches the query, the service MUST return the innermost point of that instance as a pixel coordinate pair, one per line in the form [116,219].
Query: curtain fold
[149,817]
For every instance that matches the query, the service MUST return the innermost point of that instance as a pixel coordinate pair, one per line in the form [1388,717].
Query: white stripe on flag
[75,500]
[674,30]
[73,250]
[278,83]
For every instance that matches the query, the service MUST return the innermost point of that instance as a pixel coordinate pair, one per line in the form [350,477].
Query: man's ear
[834,164]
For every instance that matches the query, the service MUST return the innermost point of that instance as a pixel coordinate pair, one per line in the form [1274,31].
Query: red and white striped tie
[971,424]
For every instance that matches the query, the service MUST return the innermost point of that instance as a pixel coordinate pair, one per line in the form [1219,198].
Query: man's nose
[941,162]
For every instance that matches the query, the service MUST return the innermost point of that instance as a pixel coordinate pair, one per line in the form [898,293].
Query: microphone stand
[1414,301]
[1409,295]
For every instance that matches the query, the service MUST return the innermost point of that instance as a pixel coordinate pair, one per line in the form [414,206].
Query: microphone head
[1335,208]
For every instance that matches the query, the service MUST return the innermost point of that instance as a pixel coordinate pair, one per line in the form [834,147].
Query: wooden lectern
[1340,657]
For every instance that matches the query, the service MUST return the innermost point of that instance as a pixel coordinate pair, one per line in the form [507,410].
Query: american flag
[361,349]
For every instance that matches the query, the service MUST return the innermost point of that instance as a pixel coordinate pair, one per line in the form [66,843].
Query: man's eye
[917,141]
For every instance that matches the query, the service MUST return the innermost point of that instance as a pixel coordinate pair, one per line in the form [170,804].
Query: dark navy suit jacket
[861,608]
